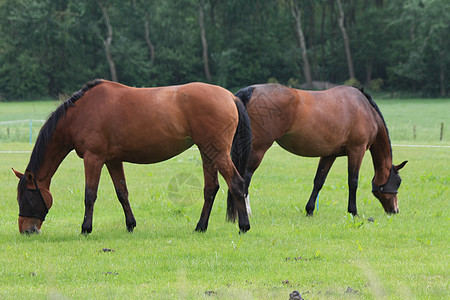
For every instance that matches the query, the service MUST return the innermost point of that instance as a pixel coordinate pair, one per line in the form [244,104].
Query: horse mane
[45,134]
[377,109]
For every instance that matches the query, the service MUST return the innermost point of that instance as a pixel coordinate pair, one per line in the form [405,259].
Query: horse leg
[115,169]
[247,180]
[209,192]
[256,157]
[92,170]
[236,187]
[354,164]
[323,168]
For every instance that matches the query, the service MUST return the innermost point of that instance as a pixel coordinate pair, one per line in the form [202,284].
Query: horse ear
[18,174]
[29,176]
[398,167]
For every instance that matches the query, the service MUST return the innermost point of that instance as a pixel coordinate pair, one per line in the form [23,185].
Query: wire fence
[20,130]
[27,131]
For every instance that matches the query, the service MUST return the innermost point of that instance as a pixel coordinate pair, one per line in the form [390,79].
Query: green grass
[395,257]
[425,115]
[10,112]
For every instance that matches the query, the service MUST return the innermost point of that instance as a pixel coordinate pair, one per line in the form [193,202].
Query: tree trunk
[150,46]
[201,23]
[296,13]
[351,71]
[107,43]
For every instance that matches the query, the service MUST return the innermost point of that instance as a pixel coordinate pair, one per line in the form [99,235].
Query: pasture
[330,255]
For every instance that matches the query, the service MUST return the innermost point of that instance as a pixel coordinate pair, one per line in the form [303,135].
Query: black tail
[240,153]
[245,94]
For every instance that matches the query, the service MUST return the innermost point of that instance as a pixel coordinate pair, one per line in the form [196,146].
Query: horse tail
[240,153]
[245,94]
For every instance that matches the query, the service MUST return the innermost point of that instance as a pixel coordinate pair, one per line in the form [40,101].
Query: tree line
[53,47]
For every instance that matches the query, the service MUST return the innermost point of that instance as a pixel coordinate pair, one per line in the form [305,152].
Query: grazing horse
[342,121]
[108,123]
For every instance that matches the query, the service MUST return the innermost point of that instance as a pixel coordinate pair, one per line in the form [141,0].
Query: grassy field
[328,256]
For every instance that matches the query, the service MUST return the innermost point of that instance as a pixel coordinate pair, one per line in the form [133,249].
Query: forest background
[50,48]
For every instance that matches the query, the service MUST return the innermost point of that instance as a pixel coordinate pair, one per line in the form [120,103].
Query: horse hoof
[309,213]
[244,229]
[86,230]
[200,228]
[130,226]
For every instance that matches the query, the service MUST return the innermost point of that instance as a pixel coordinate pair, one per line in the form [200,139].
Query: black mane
[375,106]
[45,134]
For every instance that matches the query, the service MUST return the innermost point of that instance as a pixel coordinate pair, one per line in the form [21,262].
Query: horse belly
[142,144]
[148,150]
[311,145]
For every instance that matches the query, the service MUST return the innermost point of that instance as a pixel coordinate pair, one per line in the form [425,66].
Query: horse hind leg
[209,192]
[255,159]
[323,168]
[118,178]
[236,187]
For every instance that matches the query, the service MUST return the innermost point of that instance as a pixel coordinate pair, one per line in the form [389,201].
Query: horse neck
[55,152]
[381,156]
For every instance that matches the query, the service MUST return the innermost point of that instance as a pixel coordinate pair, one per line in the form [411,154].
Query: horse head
[34,203]
[387,193]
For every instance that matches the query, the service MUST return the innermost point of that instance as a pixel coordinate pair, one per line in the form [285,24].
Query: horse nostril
[32,230]
[394,211]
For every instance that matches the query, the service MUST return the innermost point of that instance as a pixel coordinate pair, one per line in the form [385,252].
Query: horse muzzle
[393,211]
[29,225]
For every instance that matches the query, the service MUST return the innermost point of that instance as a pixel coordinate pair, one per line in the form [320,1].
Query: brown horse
[341,121]
[109,123]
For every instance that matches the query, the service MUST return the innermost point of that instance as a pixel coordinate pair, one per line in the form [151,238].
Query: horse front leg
[209,191]
[354,164]
[118,177]
[92,170]
[323,168]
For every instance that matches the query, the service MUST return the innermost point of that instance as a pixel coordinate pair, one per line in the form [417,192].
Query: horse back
[314,123]
[146,125]
[334,121]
